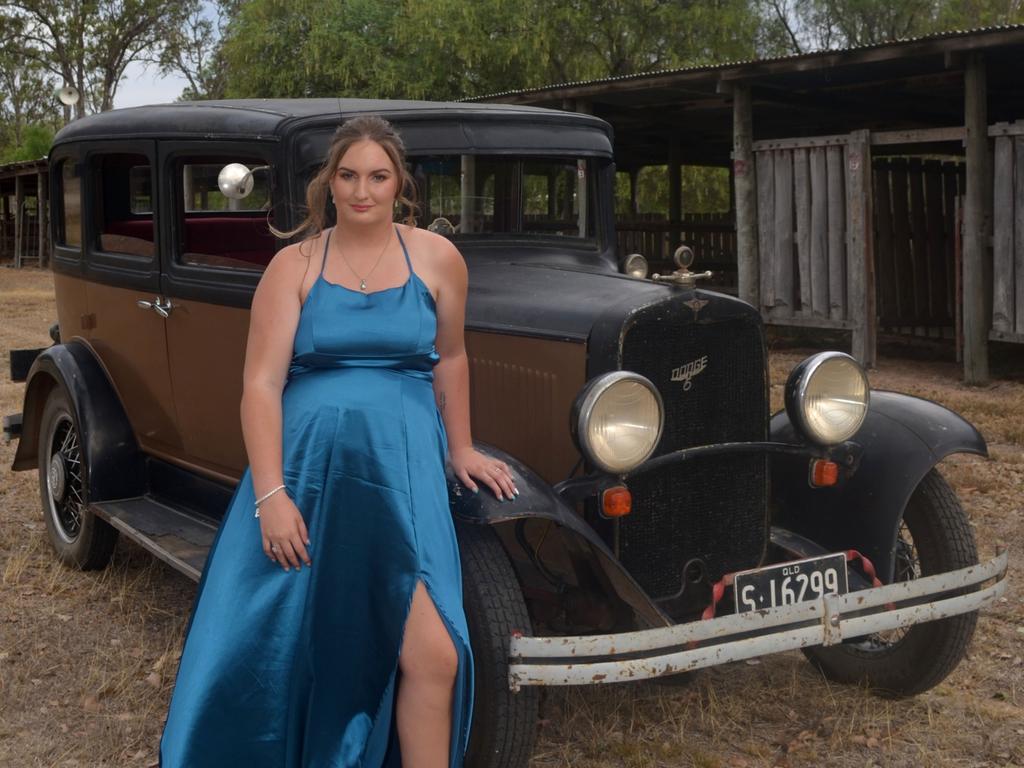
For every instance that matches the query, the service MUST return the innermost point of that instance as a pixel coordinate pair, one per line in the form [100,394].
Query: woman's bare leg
[429,663]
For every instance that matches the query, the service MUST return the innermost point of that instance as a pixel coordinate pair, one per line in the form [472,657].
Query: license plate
[789,583]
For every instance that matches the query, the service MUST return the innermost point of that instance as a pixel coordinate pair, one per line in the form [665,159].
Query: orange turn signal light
[616,501]
[824,473]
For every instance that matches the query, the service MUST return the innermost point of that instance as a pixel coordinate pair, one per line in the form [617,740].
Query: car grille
[713,509]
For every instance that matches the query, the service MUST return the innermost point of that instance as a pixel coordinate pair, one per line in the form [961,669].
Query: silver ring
[274,548]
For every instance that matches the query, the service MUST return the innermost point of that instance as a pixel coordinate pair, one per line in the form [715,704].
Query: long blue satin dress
[299,669]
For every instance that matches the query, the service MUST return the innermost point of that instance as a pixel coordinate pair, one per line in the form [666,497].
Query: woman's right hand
[284,532]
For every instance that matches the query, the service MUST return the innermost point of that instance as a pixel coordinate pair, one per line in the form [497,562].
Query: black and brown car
[666,522]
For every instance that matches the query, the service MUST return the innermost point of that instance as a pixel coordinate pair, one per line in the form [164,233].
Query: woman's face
[364,184]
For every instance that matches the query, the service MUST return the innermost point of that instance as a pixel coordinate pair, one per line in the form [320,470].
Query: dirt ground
[87,660]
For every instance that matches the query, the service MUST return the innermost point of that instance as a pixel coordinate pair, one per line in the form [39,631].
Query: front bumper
[590,659]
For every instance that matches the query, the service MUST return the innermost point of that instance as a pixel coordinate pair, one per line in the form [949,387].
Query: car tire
[935,536]
[504,723]
[80,539]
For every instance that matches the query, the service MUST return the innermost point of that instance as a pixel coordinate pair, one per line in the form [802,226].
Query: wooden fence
[915,204]
[1008,233]
[814,234]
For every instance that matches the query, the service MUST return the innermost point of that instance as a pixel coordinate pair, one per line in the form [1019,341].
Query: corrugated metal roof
[22,165]
[948,34]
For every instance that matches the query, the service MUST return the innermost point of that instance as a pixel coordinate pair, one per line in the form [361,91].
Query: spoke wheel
[934,537]
[79,537]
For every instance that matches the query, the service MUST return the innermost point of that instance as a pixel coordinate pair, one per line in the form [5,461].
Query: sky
[143,85]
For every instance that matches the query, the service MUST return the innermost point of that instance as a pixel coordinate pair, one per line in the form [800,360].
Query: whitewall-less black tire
[935,536]
[504,723]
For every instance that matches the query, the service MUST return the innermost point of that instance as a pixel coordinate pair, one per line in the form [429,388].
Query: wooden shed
[23,212]
[862,180]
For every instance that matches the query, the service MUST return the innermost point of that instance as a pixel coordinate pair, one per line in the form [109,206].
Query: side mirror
[235,180]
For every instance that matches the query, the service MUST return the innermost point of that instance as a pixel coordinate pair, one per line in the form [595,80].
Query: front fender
[902,438]
[113,463]
[537,500]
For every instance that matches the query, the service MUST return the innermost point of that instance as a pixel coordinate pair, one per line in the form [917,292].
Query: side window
[217,230]
[123,204]
[70,230]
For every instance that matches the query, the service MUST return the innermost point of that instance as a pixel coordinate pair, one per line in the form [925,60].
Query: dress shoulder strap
[323,261]
[405,251]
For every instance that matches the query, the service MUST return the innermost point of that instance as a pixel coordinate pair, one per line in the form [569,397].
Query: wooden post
[5,212]
[19,225]
[675,195]
[41,217]
[1002,256]
[745,180]
[860,262]
[975,313]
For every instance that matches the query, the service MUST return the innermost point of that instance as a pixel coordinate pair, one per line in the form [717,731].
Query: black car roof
[273,118]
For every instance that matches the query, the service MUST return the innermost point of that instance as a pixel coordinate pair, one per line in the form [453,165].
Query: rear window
[71,205]
[123,204]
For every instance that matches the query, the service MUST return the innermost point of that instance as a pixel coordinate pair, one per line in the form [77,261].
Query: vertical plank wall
[915,220]
[802,234]
[1008,234]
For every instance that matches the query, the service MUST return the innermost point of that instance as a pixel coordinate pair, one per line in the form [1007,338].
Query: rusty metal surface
[584,660]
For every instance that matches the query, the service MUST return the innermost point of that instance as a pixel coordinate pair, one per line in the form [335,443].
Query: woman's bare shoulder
[436,249]
[289,265]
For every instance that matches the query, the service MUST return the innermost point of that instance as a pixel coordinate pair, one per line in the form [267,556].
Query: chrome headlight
[635,265]
[827,397]
[617,420]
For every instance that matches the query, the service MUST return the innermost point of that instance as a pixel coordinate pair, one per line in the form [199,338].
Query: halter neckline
[408,263]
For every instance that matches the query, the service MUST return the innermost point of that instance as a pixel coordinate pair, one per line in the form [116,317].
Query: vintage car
[666,521]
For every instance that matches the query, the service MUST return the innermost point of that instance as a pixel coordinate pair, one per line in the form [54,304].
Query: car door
[121,266]
[217,249]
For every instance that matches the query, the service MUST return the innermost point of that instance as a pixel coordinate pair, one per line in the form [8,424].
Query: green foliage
[302,48]
[35,143]
[799,26]
[441,49]
[705,189]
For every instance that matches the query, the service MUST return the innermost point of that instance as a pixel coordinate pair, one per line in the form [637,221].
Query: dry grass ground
[87,660]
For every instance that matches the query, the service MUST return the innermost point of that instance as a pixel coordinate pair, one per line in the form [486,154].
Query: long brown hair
[364,127]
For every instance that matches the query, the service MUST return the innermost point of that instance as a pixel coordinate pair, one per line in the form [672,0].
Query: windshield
[467,195]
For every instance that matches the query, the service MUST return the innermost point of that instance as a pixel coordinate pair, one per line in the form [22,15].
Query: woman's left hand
[469,463]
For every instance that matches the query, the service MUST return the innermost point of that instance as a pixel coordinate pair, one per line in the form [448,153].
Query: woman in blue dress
[328,628]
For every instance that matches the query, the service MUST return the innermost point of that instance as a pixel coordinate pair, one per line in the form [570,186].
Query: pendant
[362,285]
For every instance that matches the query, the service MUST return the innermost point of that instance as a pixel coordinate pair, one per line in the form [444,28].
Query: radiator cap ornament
[683,258]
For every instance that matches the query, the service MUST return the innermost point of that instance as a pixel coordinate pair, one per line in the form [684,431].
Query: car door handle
[159,305]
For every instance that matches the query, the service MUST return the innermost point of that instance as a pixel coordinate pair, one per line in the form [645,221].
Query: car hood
[563,302]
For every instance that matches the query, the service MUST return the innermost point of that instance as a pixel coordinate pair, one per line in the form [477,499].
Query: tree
[89,43]
[26,94]
[304,48]
[194,50]
[800,26]
[442,49]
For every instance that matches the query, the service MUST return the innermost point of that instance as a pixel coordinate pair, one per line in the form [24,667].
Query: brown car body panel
[131,344]
[521,393]
[206,349]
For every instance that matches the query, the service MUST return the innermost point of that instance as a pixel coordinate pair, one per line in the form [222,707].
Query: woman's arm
[451,379]
[272,323]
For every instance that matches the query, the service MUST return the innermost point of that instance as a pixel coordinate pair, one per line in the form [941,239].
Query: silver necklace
[362,280]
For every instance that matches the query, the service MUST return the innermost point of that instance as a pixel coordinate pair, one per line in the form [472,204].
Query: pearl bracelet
[264,497]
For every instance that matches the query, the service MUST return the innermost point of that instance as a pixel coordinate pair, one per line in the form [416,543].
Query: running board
[180,539]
